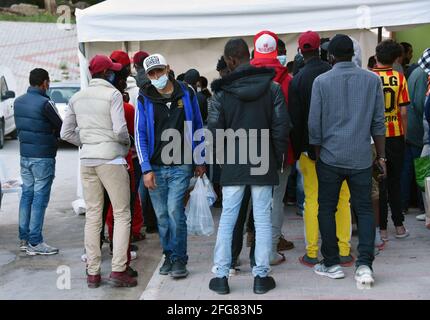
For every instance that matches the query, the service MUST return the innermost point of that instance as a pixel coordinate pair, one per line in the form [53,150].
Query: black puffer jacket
[249,99]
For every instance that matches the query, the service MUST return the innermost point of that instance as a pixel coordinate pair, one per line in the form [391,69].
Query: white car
[60,93]
[7,98]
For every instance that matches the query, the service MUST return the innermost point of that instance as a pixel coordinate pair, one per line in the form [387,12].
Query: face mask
[161,82]
[283,60]
[111,78]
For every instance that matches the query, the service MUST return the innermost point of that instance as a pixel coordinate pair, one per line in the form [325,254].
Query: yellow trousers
[343,214]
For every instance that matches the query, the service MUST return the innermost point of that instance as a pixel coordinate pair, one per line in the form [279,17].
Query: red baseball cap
[266,45]
[120,57]
[309,41]
[100,63]
[139,56]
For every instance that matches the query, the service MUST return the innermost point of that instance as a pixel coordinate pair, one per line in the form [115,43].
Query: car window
[62,94]
[3,86]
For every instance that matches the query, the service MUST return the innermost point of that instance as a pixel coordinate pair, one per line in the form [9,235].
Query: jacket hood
[280,70]
[131,83]
[246,82]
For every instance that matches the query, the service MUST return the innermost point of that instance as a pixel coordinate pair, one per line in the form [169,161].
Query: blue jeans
[262,204]
[330,180]
[37,176]
[411,153]
[168,202]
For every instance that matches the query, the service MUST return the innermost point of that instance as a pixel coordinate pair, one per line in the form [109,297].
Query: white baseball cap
[154,61]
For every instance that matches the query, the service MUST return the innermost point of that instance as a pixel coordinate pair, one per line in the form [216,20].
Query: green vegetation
[43,17]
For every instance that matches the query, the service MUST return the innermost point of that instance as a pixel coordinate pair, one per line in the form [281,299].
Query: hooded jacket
[145,124]
[283,78]
[244,100]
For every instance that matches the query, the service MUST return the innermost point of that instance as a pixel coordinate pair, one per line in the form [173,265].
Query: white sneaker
[133,255]
[421,217]
[364,277]
[84,258]
[333,272]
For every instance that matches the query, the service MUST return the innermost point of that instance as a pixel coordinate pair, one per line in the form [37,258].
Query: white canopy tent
[198,29]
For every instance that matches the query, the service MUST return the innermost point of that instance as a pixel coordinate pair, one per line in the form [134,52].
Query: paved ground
[401,269]
[26,45]
[25,277]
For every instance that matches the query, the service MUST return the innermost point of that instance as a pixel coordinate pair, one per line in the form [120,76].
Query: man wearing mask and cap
[103,166]
[266,52]
[347,104]
[165,105]
[298,106]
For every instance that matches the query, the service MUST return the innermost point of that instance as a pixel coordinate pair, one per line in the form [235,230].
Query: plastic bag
[210,194]
[422,170]
[199,216]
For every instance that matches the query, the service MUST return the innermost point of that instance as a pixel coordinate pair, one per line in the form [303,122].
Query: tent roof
[142,20]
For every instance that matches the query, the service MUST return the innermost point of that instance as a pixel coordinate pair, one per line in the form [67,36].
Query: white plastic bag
[199,216]
[210,194]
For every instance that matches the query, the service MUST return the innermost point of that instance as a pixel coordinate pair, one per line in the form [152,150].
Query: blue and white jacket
[144,125]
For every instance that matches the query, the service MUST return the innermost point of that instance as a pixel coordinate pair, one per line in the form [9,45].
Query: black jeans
[237,243]
[390,188]
[330,180]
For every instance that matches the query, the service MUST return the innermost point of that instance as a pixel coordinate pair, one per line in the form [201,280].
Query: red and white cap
[266,45]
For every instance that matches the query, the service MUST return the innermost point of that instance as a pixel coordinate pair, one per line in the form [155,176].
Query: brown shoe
[122,279]
[94,281]
[284,244]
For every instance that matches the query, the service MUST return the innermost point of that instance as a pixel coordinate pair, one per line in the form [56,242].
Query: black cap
[192,76]
[341,46]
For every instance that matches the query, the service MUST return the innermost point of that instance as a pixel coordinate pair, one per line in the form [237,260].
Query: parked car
[7,98]
[60,93]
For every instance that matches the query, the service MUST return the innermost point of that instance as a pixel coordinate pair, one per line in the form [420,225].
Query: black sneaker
[133,247]
[131,272]
[166,267]
[179,270]
[263,285]
[219,285]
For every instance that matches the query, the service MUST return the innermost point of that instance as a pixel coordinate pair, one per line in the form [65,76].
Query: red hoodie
[283,79]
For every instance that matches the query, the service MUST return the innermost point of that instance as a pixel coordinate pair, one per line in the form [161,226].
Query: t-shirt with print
[396,95]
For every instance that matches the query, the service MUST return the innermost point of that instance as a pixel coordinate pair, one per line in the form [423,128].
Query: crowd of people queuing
[341,148]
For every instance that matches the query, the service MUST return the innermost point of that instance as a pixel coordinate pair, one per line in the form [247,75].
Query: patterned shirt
[396,95]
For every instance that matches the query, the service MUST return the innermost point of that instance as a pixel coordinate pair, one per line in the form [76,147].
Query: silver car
[60,93]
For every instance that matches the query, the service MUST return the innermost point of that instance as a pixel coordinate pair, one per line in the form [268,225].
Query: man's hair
[310,54]
[203,82]
[237,48]
[37,76]
[371,63]
[388,51]
[406,46]
[221,65]
[281,46]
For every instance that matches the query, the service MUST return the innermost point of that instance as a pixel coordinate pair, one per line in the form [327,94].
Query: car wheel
[14,134]
[1,133]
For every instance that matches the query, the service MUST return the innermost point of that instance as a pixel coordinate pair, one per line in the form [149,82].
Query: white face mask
[283,59]
[161,82]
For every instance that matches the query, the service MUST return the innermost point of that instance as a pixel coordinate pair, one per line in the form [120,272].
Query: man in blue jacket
[168,108]
[38,125]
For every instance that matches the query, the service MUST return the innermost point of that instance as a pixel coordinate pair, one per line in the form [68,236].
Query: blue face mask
[161,82]
[111,78]
[283,60]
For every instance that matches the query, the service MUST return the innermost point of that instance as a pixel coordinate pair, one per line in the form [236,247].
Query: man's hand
[200,171]
[382,168]
[149,181]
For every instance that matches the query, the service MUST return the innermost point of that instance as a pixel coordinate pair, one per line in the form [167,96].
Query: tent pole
[379,34]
